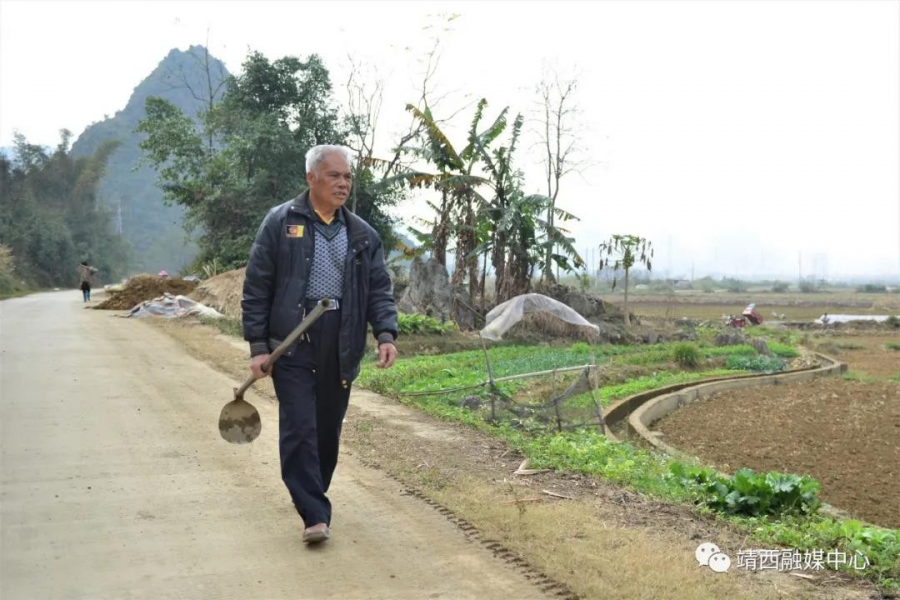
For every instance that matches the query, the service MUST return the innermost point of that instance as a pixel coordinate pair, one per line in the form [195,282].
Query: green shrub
[735,286]
[412,324]
[707,284]
[759,363]
[662,287]
[872,288]
[581,348]
[783,350]
[808,287]
[893,345]
[686,354]
[9,286]
[893,321]
[750,493]
[780,287]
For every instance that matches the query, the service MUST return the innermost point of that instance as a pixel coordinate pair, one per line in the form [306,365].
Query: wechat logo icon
[709,555]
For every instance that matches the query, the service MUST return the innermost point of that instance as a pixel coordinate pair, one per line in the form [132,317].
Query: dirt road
[115,484]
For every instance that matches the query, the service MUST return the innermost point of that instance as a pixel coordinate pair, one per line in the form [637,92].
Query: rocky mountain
[188,79]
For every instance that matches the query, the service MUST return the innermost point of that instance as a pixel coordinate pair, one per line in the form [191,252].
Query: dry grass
[222,292]
[567,541]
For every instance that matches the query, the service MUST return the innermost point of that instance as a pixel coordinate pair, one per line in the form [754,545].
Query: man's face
[330,181]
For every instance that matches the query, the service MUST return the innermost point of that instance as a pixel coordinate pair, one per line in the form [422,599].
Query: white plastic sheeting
[848,318]
[502,318]
[115,287]
[172,307]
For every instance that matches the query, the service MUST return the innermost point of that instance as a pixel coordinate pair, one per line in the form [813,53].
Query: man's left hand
[387,355]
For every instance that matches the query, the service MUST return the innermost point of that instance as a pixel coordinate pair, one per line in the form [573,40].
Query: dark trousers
[312,403]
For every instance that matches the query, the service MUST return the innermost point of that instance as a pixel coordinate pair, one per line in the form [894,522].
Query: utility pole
[799,268]
[587,260]
[669,255]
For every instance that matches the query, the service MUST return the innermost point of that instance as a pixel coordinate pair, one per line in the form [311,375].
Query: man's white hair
[317,154]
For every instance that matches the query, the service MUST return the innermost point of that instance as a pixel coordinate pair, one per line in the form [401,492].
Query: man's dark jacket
[278,274]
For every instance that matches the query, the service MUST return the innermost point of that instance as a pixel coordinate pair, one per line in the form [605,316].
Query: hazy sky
[735,135]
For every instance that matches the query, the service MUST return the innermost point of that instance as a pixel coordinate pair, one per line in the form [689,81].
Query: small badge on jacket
[295,231]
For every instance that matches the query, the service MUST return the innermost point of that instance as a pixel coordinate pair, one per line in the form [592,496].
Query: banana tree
[456,215]
[519,235]
[439,151]
[487,215]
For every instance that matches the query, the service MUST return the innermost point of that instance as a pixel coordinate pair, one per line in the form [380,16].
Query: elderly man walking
[308,249]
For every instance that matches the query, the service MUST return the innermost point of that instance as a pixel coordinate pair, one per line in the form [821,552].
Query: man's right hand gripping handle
[256,365]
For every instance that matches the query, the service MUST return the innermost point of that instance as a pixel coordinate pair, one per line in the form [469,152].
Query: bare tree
[428,100]
[209,89]
[560,143]
[364,100]
[423,129]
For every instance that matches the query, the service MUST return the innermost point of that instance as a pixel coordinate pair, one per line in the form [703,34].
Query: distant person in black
[86,273]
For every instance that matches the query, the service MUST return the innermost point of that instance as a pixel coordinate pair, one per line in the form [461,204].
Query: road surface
[116,485]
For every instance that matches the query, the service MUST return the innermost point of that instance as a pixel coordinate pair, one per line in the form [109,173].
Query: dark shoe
[315,534]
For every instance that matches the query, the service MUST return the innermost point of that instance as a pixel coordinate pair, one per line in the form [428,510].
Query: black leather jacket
[278,273]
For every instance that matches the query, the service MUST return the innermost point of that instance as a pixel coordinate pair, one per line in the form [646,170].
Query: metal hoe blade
[239,422]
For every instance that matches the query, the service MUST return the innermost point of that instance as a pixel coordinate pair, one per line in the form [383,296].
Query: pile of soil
[222,292]
[145,287]
[544,327]
[846,434]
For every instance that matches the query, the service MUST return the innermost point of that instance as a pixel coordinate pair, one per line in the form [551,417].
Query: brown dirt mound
[222,292]
[543,327]
[145,287]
